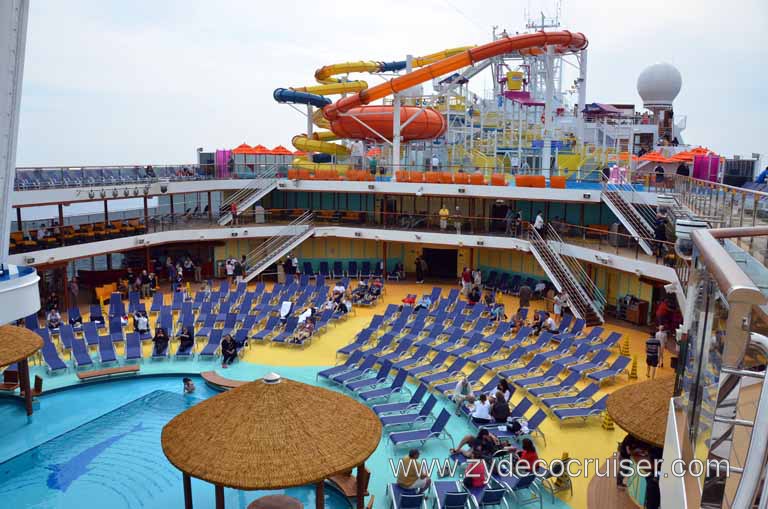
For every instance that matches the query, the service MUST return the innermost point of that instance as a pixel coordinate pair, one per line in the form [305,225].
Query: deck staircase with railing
[628,206]
[264,182]
[586,300]
[274,248]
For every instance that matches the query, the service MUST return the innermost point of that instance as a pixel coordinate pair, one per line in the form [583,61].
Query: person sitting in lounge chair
[141,322]
[304,332]
[185,340]
[481,411]
[424,303]
[161,341]
[54,318]
[462,392]
[189,385]
[228,351]
[485,442]
[411,476]
[527,454]
[500,408]
[476,475]
[497,313]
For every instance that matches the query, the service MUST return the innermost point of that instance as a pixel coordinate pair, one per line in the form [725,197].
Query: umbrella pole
[361,486]
[187,491]
[320,495]
[219,497]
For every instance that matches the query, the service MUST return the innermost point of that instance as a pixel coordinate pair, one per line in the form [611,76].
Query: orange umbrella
[623,156]
[243,148]
[655,157]
[376,151]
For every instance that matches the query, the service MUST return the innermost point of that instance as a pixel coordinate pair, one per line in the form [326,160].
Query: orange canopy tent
[243,148]
[260,149]
[281,151]
[624,156]
[689,155]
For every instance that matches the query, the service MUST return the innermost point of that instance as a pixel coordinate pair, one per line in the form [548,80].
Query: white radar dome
[659,84]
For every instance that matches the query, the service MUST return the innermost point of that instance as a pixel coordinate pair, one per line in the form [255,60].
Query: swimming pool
[99,446]
[116,460]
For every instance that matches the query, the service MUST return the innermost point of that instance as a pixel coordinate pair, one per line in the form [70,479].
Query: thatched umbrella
[270,434]
[641,409]
[17,344]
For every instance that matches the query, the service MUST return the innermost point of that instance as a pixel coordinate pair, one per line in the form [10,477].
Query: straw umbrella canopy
[17,344]
[270,434]
[641,409]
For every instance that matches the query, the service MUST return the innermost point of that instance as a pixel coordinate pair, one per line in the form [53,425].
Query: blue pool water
[99,446]
[116,461]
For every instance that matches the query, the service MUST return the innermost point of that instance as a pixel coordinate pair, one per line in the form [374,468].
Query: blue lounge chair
[188,352]
[348,365]
[133,302]
[80,354]
[157,303]
[402,406]
[419,356]
[446,388]
[533,425]
[352,270]
[51,358]
[410,418]
[132,346]
[91,334]
[401,498]
[450,495]
[547,377]
[352,374]
[31,322]
[475,341]
[582,397]
[618,366]
[594,335]
[211,348]
[116,329]
[578,355]
[489,497]
[365,269]
[360,341]
[106,350]
[385,392]
[609,342]
[66,336]
[116,306]
[452,371]
[583,413]
[595,363]
[562,349]
[97,316]
[269,328]
[422,436]
[433,365]
[564,386]
[381,377]
[401,352]
[524,490]
[74,317]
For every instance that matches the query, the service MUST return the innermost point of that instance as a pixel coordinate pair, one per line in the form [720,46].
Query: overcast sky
[149,81]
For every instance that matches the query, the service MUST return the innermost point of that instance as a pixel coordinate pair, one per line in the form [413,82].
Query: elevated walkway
[274,248]
[586,300]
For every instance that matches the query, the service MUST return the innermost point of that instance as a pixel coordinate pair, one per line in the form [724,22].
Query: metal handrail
[277,241]
[538,238]
[268,173]
[635,199]
[578,270]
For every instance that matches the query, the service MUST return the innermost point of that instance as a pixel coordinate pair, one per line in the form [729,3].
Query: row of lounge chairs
[337,270]
[77,177]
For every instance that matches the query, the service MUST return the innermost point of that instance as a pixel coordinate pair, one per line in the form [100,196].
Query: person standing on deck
[444,213]
[419,270]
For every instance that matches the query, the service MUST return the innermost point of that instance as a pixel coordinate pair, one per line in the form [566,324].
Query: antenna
[542,20]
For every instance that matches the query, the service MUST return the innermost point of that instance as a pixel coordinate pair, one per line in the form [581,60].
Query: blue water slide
[286,95]
[392,66]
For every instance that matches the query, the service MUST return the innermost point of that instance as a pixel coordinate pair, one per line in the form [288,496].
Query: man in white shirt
[481,413]
[549,324]
[435,163]
[339,288]
[538,223]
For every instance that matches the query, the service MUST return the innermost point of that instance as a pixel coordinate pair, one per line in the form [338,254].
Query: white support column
[13,36]
[549,90]
[582,95]
[395,135]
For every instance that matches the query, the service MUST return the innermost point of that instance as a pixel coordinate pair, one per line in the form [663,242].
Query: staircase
[261,185]
[274,248]
[636,216]
[586,300]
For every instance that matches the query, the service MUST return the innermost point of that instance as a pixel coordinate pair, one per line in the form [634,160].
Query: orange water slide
[564,42]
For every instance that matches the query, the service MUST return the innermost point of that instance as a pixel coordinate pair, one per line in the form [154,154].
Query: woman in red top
[528,453]
[476,475]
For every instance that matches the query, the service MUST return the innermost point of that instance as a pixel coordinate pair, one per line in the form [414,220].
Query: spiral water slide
[345,115]
[330,85]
